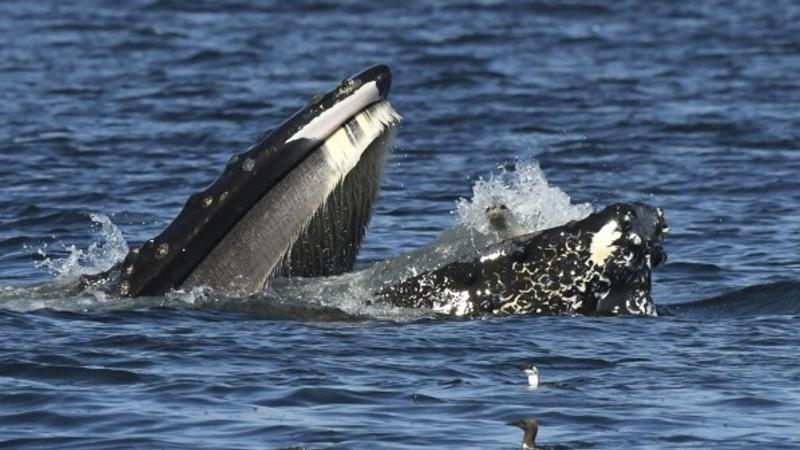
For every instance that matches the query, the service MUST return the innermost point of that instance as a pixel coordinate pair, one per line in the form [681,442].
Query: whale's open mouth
[297,202]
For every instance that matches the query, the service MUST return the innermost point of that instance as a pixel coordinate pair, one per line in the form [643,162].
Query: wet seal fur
[503,224]
[599,265]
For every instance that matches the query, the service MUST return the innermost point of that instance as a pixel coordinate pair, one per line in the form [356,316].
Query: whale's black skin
[175,257]
[598,265]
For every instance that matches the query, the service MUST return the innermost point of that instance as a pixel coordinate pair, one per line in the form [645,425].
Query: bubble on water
[525,191]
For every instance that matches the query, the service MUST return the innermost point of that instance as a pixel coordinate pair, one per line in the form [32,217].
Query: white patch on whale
[602,245]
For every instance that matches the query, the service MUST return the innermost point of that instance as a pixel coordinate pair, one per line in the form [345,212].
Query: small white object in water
[533,375]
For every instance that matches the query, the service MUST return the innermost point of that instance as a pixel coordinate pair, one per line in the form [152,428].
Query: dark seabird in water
[530,426]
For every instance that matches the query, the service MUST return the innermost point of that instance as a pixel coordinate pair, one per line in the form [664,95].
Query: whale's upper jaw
[166,261]
[325,113]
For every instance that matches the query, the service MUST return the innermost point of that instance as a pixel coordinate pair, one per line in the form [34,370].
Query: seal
[503,224]
[599,265]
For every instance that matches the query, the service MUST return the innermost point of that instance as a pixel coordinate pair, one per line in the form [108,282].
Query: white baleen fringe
[343,148]
[345,180]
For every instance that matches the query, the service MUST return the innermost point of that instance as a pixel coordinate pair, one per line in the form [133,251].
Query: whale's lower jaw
[296,202]
[312,222]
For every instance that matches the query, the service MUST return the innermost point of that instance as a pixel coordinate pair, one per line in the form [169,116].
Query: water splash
[343,297]
[193,296]
[525,191]
[101,255]
[57,294]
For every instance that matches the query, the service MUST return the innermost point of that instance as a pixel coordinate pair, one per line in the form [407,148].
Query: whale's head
[626,244]
[622,228]
[296,202]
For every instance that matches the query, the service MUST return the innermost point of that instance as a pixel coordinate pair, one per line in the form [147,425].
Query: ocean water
[113,113]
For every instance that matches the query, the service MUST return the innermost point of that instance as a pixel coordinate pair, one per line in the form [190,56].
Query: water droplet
[124,288]
[129,269]
[207,201]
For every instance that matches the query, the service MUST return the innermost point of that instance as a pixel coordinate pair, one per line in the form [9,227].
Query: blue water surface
[126,108]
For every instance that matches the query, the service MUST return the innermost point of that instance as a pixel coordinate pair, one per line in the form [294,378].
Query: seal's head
[497,216]
[502,222]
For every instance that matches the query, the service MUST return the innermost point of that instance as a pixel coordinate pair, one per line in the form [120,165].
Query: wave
[774,298]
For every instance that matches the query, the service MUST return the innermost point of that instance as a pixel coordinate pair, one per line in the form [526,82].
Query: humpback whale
[297,202]
[597,265]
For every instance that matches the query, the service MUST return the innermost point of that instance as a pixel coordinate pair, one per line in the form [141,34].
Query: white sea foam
[525,191]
